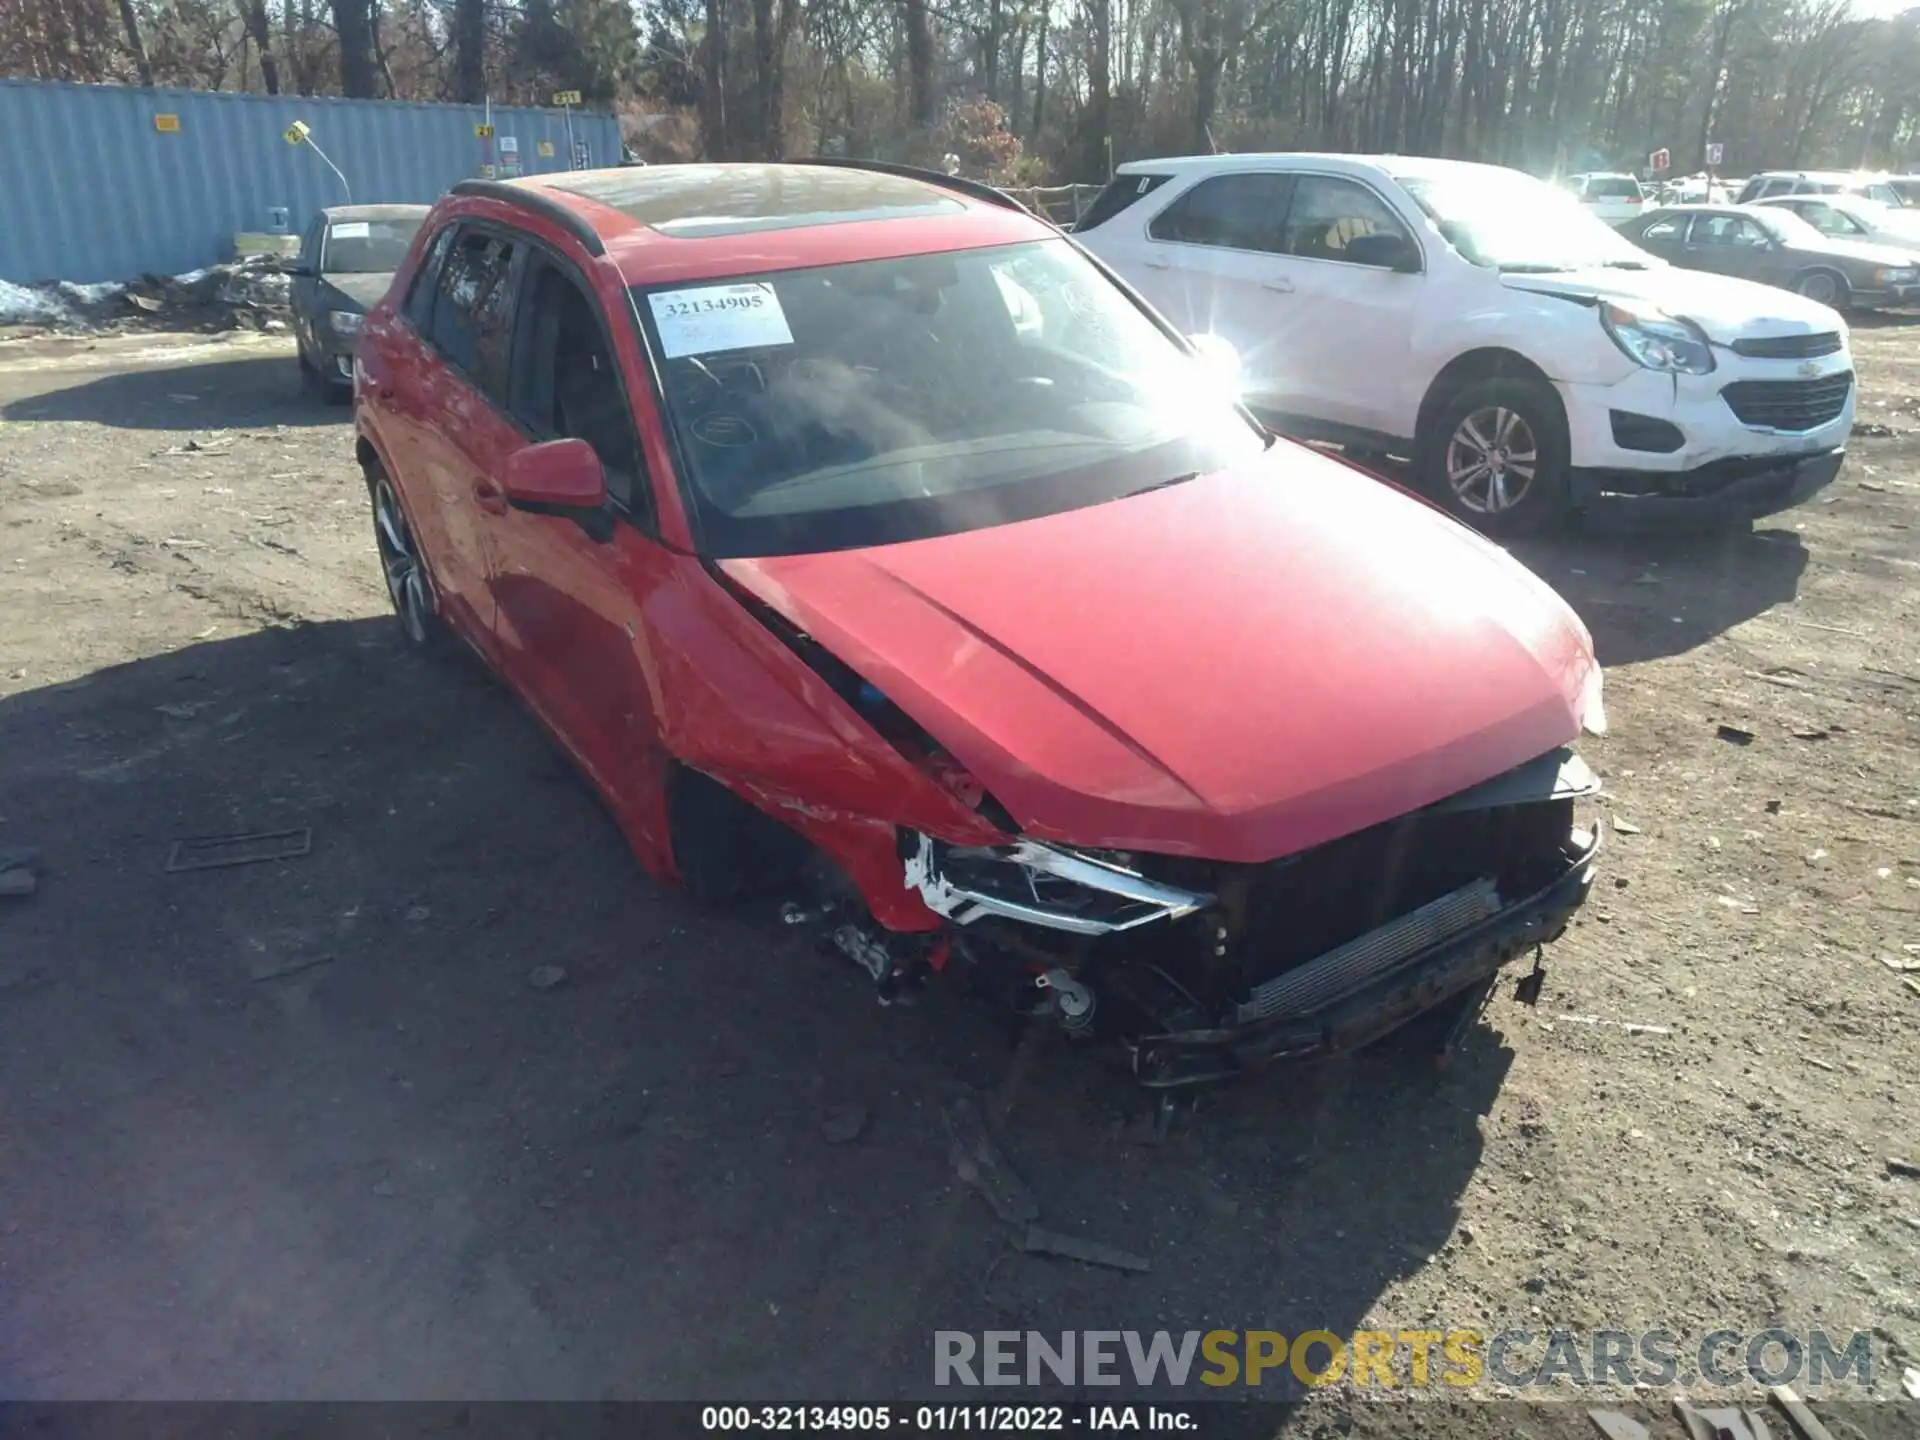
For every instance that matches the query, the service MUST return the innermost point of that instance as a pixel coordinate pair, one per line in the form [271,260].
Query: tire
[409,586]
[310,380]
[1489,435]
[1823,286]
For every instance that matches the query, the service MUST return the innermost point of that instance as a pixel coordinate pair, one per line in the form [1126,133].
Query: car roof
[661,221]
[334,213]
[1392,167]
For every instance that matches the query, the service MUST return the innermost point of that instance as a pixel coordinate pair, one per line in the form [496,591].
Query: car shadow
[1646,597]
[451,1080]
[1652,594]
[256,392]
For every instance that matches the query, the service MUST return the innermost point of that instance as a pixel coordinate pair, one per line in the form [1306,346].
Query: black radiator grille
[1789,404]
[1789,347]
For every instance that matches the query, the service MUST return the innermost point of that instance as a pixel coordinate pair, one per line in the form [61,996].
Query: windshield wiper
[1170,481]
[1531,267]
[1626,265]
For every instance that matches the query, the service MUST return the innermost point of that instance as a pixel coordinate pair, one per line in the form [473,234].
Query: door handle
[1279,283]
[489,497]
[1156,262]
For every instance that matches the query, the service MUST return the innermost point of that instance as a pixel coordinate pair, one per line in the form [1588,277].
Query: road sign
[566,97]
[296,132]
[483,132]
[1660,160]
[1715,153]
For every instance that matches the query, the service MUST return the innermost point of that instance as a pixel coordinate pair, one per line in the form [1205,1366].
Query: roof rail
[530,197]
[959,184]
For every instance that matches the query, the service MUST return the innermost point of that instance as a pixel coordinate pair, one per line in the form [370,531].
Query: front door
[1728,245]
[569,606]
[1350,326]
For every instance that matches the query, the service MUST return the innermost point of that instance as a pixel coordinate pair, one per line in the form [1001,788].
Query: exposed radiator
[1326,977]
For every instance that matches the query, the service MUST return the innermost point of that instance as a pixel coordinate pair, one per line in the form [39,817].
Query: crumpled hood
[1726,308]
[1237,667]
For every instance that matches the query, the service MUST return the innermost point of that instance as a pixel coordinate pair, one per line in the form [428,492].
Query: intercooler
[1326,977]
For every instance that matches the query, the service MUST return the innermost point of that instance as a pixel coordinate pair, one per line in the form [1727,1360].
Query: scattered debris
[547,977]
[1796,1411]
[1038,1241]
[1897,1166]
[1734,902]
[291,967]
[1615,1426]
[215,852]
[1911,983]
[1818,1063]
[1875,430]
[1811,732]
[1624,827]
[978,1161]
[1814,857]
[1910,1380]
[1631,1027]
[1894,962]
[1734,735]
[1773,807]
[1786,682]
[842,1123]
[253,293]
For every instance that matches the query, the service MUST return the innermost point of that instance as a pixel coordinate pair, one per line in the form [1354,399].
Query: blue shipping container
[106,182]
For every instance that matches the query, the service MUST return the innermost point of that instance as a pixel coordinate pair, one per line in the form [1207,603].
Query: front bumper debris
[1721,493]
[1360,991]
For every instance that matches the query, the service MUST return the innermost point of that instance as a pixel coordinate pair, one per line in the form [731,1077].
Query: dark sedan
[1776,247]
[347,260]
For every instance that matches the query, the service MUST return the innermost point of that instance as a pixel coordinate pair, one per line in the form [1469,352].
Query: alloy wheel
[400,560]
[1491,459]
[1820,288]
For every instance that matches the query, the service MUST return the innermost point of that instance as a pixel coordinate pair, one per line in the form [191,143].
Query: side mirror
[1384,252]
[301,271]
[561,477]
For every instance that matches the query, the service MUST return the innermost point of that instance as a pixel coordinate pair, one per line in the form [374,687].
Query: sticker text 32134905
[719,317]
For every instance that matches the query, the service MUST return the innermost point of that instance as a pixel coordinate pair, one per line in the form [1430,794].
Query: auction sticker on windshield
[719,317]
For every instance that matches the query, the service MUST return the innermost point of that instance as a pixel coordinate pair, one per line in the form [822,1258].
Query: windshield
[367,247]
[1509,221]
[890,400]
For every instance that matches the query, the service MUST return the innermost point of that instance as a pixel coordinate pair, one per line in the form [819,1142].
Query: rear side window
[1121,192]
[1238,212]
[473,308]
[1328,212]
[1668,230]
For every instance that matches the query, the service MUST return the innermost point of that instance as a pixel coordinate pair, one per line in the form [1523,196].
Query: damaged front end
[1203,969]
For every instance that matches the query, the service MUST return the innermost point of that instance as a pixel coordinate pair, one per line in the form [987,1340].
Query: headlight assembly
[1657,340]
[1040,885]
[345,322]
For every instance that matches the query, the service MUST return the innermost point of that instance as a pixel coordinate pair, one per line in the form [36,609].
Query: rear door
[1348,327]
[458,404]
[1210,264]
[569,607]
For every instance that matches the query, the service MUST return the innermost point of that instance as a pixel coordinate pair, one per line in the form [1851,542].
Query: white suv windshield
[1509,221]
[888,400]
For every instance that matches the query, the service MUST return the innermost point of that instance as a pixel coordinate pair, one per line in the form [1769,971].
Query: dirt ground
[305,1130]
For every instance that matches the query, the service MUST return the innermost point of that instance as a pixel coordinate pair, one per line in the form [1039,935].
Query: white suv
[1615,199]
[1528,358]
